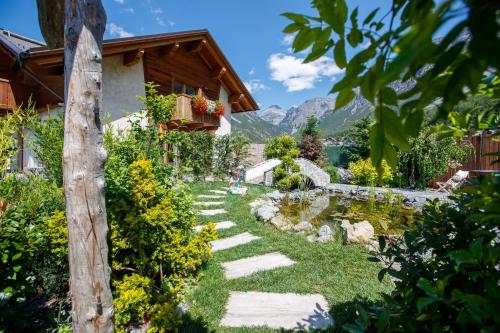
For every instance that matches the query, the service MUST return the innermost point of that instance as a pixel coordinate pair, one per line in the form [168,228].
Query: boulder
[280,222]
[362,232]
[345,175]
[324,233]
[258,203]
[275,196]
[266,213]
[303,226]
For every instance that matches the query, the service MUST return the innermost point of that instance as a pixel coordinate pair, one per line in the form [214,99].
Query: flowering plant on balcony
[215,108]
[199,104]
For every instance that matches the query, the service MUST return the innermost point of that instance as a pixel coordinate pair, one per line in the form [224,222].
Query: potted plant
[199,104]
[219,109]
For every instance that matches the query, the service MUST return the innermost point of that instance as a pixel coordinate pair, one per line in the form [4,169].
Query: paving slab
[218,225]
[274,310]
[218,191]
[248,266]
[210,196]
[210,212]
[229,242]
[208,203]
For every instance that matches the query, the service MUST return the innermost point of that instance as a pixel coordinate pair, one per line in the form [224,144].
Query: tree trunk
[83,167]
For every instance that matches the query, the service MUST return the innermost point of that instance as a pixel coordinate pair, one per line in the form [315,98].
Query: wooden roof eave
[53,57]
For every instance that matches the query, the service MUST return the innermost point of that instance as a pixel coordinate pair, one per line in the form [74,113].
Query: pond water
[386,218]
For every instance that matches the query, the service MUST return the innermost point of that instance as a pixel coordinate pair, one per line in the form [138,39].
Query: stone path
[248,266]
[229,242]
[210,212]
[209,196]
[208,203]
[218,191]
[254,308]
[218,225]
[275,310]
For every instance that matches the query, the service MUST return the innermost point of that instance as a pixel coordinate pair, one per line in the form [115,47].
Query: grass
[342,274]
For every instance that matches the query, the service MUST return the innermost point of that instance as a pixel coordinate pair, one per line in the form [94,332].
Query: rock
[182,308]
[311,238]
[361,232]
[266,213]
[324,233]
[345,175]
[281,223]
[303,226]
[258,203]
[275,196]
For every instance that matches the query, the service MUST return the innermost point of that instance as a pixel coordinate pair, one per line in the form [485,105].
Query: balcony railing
[7,101]
[184,116]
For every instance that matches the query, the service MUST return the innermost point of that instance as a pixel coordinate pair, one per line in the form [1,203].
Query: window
[182,88]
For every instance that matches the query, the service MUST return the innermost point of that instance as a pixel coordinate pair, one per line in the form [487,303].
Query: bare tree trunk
[83,166]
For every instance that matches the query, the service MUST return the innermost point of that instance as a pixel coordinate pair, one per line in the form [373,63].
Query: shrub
[366,174]
[448,281]
[47,145]
[358,137]
[278,147]
[230,151]
[132,299]
[429,157]
[311,148]
[159,108]
[333,172]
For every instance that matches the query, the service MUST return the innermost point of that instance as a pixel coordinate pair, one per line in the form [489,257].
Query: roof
[18,43]
[36,53]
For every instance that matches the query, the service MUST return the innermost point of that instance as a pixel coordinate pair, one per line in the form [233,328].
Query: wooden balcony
[185,119]
[7,100]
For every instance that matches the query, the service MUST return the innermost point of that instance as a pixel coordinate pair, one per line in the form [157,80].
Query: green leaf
[339,54]
[297,18]
[370,16]
[355,37]
[334,13]
[317,52]
[413,123]
[422,302]
[426,286]
[305,38]
[344,97]
[394,131]
[292,28]
[381,243]
[17,256]
[377,141]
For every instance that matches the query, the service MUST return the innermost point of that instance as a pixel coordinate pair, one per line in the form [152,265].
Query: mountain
[256,128]
[296,116]
[273,114]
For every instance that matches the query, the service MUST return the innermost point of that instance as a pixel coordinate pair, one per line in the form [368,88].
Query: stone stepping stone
[248,266]
[225,188]
[209,196]
[218,225]
[218,191]
[229,242]
[210,212]
[208,203]
[287,311]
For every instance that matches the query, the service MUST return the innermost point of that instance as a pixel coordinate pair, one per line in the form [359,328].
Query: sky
[248,32]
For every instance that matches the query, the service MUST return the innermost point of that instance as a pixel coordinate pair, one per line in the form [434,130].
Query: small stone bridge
[258,173]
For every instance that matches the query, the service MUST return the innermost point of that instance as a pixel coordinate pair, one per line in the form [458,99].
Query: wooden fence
[482,144]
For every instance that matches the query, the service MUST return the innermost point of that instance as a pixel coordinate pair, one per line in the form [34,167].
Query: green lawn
[340,273]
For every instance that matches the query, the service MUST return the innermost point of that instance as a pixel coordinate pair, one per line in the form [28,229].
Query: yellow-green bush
[57,232]
[285,148]
[366,174]
[153,234]
[133,297]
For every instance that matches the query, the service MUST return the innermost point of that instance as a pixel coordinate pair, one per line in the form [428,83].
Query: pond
[386,218]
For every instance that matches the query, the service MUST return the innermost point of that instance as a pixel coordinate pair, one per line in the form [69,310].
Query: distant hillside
[250,124]
[273,114]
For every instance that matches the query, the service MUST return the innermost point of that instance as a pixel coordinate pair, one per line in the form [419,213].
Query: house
[185,63]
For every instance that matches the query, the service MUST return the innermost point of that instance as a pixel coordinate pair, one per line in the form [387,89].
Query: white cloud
[297,76]
[171,23]
[116,30]
[252,71]
[121,2]
[129,10]
[288,39]
[255,86]
[156,11]
[160,21]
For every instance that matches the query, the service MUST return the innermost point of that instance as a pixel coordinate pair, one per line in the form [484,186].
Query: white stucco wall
[121,86]
[225,121]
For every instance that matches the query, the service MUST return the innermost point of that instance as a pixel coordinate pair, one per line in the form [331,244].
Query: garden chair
[455,182]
